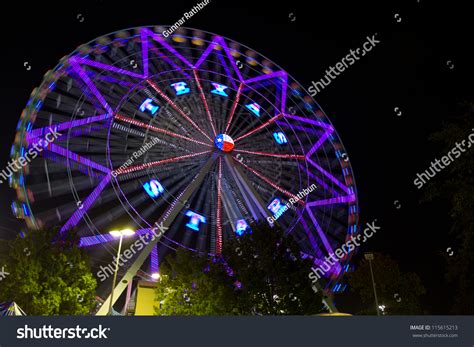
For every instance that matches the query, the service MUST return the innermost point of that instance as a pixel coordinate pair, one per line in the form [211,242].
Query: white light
[125,232]
[128,232]
[115,233]
[155,275]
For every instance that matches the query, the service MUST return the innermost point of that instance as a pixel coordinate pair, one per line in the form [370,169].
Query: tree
[192,285]
[400,293]
[456,185]
[261,273]
[273,275]
[47,276]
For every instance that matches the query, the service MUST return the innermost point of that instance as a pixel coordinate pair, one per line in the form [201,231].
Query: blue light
[277,208]
[26,210]
[180,88]
[241,227]
[195,220]
[219,89]
[255,108]
[280,138]
[147,105]
[153,188]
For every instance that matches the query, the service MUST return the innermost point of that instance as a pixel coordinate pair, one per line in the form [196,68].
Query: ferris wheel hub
[224,143]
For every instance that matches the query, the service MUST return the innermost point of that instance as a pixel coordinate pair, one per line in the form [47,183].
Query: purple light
[87,203]
[336,200]
[319,142]
[107,67]
[328,175]
[154,263]
[144,38]
[167,46]
[73,156]
[66,125]
[75,66]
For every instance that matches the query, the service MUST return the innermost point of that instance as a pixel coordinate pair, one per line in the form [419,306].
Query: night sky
[408,69]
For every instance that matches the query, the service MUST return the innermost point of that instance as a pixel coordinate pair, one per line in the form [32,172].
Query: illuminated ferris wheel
[193,132]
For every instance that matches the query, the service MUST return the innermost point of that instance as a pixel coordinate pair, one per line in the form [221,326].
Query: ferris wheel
[192,132]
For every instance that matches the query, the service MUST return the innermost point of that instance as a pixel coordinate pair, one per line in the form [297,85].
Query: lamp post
[369,257]
[120,234]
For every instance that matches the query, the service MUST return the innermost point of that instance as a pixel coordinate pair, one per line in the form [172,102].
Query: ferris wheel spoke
[219,209]
[177,108]
[157,163]
[158,130]
[234,106]
[169,61]
[107,67]
[143,135]
[83,75]
[253,200]
[87,203]
[321,234]
[329,176]
[69,155]
[165,45]
[89,241]
[269,182]
[260,127]
[164,223]
[204,101]
[274,155]
[66,125]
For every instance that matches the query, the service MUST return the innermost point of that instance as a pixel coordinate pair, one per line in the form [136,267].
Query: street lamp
[370,257]
[116,234]
[382,308]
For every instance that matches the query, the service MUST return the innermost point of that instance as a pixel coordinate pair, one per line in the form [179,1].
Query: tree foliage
[261,273]
[47,276]
[193,285]
[399,292]
[456,185]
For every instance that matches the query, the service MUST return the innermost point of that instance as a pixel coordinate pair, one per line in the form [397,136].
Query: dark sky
[408,69]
